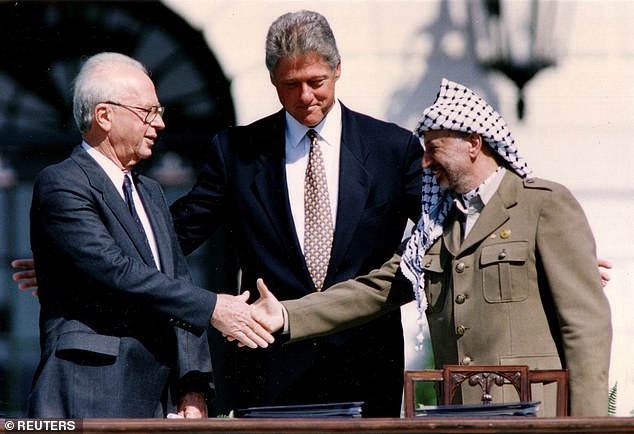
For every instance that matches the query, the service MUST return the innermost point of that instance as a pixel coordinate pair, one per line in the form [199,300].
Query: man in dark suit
[122,328]
[254,181]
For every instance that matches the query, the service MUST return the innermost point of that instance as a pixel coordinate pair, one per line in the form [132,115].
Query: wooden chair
[452,377]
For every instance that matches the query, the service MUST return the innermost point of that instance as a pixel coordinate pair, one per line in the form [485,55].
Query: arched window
[42,47]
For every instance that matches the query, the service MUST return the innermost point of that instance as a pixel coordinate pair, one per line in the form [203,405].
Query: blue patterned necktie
[318,225]
[127,193]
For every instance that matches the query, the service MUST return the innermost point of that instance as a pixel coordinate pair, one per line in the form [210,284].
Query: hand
[233,318]
[604,264]
[192,406]
[26,278]
[267,310]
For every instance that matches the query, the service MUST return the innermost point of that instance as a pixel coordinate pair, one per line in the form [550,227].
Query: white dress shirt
[297,149]
[116,176]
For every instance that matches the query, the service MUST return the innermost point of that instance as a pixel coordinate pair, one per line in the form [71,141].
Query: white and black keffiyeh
[457,108]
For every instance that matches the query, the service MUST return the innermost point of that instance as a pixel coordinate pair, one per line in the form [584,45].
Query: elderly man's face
[447,156]
[131,136]
[305,85]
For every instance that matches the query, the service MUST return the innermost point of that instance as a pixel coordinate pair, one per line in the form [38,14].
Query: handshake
[251,325]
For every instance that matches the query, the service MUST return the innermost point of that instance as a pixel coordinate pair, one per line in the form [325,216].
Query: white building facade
[579,114]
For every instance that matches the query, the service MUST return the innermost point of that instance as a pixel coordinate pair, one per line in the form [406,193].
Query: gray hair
[90,90]
[297,33]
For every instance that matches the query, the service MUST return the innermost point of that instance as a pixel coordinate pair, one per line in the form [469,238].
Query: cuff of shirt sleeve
[286,330]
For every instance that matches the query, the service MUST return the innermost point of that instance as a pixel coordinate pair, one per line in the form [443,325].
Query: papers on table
[524,408]
[339,409]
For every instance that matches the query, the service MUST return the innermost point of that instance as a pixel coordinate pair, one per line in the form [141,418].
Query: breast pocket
[505,272]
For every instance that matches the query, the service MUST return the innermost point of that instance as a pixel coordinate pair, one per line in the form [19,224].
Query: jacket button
[460,267]
[460,330]
[502,254]
[461,298]
[466,360]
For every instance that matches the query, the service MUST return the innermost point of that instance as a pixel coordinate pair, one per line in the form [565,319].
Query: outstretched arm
[231,314]
[341,306]
[349,303]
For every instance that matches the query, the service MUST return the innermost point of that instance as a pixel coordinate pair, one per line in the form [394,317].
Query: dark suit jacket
[244,185]
[115,332]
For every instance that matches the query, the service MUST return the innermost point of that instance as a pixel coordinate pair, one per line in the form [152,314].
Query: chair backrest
[486,377]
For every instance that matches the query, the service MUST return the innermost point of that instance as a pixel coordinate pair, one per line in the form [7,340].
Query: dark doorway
[42,46]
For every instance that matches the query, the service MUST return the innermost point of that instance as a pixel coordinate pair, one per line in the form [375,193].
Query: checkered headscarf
[456,108]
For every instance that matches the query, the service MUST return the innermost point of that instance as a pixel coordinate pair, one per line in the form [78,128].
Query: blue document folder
[338,409]
[523,408]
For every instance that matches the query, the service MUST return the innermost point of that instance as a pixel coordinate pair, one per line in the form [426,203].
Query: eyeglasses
[152,112]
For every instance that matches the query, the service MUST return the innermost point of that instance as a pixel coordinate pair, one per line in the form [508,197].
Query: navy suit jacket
[244,185]
[115,332]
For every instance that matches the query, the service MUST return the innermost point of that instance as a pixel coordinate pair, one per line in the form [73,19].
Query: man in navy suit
[122,328]
[254,182]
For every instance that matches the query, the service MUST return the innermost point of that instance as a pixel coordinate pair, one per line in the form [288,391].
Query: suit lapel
[452,231]
[271,189]
[111,198]
[354,184]
[354,187]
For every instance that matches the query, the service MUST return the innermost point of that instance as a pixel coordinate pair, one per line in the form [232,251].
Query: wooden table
[607,425]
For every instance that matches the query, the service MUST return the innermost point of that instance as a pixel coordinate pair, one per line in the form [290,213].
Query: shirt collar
[482,194]
[113,171]
[329,129]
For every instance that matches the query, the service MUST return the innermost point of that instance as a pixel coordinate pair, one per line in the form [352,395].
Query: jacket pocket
[505,272]
[88,348]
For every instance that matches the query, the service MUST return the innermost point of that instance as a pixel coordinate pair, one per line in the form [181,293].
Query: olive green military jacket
[523,288]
